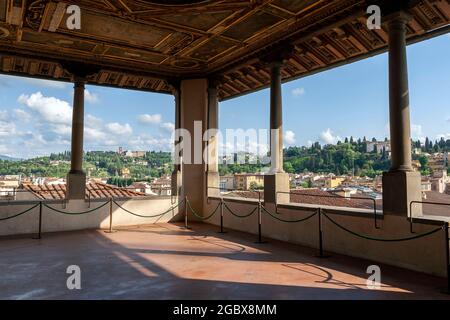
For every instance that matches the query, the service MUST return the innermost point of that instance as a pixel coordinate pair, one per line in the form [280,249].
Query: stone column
[276,119]
[277,180]
[212,147]
[194,109]
[401,184]
[76,179]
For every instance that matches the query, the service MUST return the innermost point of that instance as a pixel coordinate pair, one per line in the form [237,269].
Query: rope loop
[76,213]
[381,239]
[199,216]
[19,214]
[152,216]
[288,221]
[240,216]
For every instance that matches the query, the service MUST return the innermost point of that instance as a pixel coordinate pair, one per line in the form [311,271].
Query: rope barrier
[239,216]
[199,216]
[288,221]
[152,216]
[19,214]
[380,239]
[76,213]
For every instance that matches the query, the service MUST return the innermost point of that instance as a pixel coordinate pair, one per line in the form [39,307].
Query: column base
[273,184]
[399,189]
[213,181]
[76,186]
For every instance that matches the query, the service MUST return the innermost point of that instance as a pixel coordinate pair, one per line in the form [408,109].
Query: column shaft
[399,112]
[276,118]
[401,184]
[76,179]
[77,128]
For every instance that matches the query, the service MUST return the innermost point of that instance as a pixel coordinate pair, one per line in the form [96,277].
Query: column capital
[175,85]
[277,56]
[80,70]
[398,18]
[214,82]
[79,82]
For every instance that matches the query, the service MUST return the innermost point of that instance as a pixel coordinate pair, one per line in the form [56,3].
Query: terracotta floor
[167,262]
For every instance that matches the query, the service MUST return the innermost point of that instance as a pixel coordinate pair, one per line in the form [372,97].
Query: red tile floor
[164,261]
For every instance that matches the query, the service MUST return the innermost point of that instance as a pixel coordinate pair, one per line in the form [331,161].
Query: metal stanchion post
[40,222]
[447,255]
[186,226]
[260,223]
[221,216]
[110,216]
[321,254]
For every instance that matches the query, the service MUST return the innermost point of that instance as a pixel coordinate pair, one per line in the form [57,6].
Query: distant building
[439,181]
[125,173]
[226,183]
[162,186]
[143,187]
[426,184]
[378,146]
[8,185]
[135,154]
[244,181]
[333,182]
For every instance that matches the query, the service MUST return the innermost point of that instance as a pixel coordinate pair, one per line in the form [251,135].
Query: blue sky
[347,101]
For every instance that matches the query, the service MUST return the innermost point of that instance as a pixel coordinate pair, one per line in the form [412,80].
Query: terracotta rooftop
[436,210]
[93,190]
[318,197]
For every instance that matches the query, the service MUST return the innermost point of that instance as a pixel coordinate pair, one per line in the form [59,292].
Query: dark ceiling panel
[202,22]
[252,25]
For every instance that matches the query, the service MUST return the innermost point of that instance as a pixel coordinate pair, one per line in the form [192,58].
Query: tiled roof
[93,190]
[436,210]
[318,197]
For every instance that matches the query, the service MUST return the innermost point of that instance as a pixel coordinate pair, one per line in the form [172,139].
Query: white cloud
[7,129]
[328,137]
[91,97]
[94,135]
[46,83]
[4,115]
[51,109]
[92,121]
[168,126]
[4,150]
[117,128]
[22,115]
[297,92]
[62,130]
[289,137]
[150,118]
[145,142]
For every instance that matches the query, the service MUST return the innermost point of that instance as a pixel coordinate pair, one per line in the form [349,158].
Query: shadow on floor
[165,261]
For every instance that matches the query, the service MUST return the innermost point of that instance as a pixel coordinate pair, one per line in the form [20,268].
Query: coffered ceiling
[144,44]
